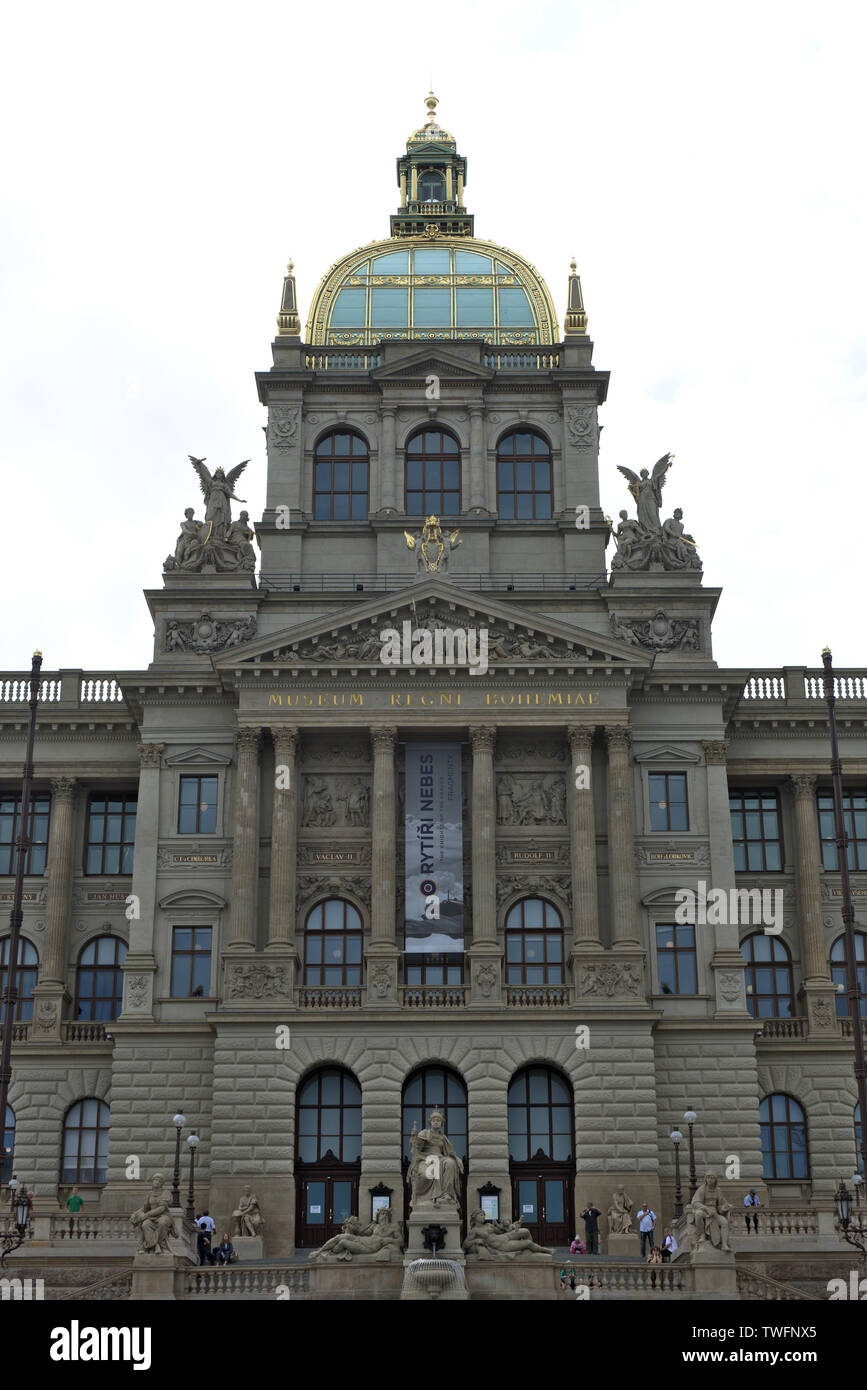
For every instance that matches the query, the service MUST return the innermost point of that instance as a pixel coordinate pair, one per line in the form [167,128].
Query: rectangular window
[110,834]
[475,308]
[854,823]
[191,962]
[197,806]
[433,969]
[10,829]
[756,832]
[668,801]
[389,308]
[675,959]
[432,308]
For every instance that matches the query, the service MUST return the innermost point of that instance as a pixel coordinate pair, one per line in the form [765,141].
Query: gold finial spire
[573,265]
[290,267]
[431,102]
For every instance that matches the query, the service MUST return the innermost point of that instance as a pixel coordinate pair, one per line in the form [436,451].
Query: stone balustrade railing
[246,1281]
[434,996]
[537,996]
[754,1285]
[773,1222]
[329,997]
[68,688]
[65,1228]
[628,1277]
[798,684]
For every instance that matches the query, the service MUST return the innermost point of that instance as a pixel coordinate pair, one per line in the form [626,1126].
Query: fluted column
[477,457]
[281,906]
[245,853]
[484,837]
[387,460]
[809,869]
[64,794]
[384,837]
[621,848]
[582,841]
[140,965]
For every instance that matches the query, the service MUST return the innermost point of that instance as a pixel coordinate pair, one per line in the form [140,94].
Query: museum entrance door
[325,1200]
[542,1202]
[328,1154]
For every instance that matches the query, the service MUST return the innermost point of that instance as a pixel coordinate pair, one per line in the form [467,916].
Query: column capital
[715,751]
[580,737]
[387,410]
[384,738]
[285,738]
[64,788]
[618,736]
[150,754]
[803,784]
[248,739]
[475,408]
[483,737]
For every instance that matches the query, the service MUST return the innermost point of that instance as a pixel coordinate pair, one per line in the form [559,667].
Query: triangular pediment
[197,755]
[516,637]
[667,753]
[432,359]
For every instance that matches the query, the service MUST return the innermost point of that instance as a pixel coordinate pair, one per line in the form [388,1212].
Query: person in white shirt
[646,1221]
[751,1201]
[669,1246]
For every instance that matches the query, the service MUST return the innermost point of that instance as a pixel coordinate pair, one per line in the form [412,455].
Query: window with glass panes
[10,829]
[99,982]
[770,991]
[110,834]
[197,806]
[332,944]
[436,1088]
[675,959]
[534,943]
[431,187]
[433,474]
[668,801]
[756,834]
[191,961]
[85,1142]
[540,1116]
[784,1138]
[838,971]
[854,823]
[432,968]
[329,1117]
[340,477]
[524,476]
[8,1146]
[25,978]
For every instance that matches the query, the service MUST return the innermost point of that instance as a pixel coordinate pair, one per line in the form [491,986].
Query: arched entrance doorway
[541,1154]
[328,1154]
[435,1088]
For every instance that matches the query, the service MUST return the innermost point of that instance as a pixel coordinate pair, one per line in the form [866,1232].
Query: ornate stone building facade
[214,908]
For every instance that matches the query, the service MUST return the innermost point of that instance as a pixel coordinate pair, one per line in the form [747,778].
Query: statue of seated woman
[154,1221]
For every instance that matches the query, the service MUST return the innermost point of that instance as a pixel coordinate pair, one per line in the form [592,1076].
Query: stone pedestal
[248,1247]
[621,1247]
[714,1273]
[448,1217]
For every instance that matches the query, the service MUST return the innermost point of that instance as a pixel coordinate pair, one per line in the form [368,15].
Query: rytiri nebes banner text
[434,848]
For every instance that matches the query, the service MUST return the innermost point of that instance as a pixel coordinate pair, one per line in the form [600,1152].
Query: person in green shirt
[74,1203]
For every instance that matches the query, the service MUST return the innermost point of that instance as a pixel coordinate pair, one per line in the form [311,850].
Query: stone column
[449,184]
[485,955]
[50,992]
[403,189]
[818,987]
[582,842]
[281,907]
[727,981]
[413,184]
[245,852]
[387,460]
[140,964]
[621,847]
[477,458]
[383,951]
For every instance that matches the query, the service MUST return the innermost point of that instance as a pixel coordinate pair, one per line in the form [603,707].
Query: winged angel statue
[217,541]
[640,543]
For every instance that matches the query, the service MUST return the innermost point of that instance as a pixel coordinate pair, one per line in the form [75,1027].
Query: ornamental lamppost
[853,1229]
[842,841]
[690,1117]
[19,1214]
[677,1139]
[178,1121]
[193,1143]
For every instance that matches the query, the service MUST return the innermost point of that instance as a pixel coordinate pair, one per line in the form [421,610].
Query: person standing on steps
[751,1205]
[646,1219]
[591,1215]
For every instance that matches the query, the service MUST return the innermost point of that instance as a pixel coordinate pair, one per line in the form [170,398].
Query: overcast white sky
[704,162]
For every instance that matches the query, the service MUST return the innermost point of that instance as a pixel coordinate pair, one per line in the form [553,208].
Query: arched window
[541,1149]
[332,944]
[784,1138]
[524,476]
[838,970]
[25,979]
[328,1158]
[431,187]
[433,474]
[436,1088]
[859,1161]
[534,943]
[85,1142]
[8,1145]
[770,993]
[99,981]
[340,477]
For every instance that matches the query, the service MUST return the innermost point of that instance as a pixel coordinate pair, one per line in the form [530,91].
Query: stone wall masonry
[823,1084]
[716,1074]
[40,1093]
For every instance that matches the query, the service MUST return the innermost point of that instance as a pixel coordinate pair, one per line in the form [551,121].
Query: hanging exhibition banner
[434,882]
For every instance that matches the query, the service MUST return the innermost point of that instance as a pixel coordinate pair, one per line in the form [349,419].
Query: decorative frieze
[531,800]
[608,979]
[330,800]
[257,981]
